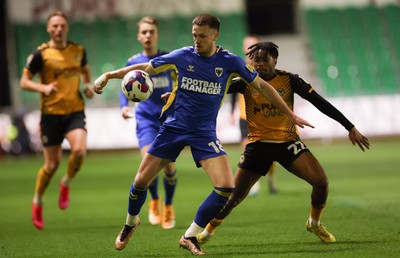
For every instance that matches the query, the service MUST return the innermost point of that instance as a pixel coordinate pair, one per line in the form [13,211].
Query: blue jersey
[148,112]
[151,108]
[202,83]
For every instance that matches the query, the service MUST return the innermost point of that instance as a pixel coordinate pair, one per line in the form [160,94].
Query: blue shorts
[146,130]
[169,143]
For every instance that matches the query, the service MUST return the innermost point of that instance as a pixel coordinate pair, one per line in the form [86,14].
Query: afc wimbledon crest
[218,71]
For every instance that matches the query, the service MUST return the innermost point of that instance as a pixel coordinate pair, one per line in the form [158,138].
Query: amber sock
[42,181]
[213,225]
[74,164]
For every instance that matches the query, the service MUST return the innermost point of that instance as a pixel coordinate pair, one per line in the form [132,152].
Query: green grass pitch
[363,209]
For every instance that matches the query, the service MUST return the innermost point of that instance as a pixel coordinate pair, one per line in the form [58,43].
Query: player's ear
[216,36]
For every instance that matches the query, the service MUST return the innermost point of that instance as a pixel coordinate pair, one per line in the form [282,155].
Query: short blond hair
[57,13]
[149,20]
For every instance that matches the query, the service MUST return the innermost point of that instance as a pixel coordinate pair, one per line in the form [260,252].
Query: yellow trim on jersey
[133,57]
[250,82]
[175,76]
[228,82]
[225,194]
[163,68]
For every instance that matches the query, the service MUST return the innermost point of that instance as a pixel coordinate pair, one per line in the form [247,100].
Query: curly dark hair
[267,46]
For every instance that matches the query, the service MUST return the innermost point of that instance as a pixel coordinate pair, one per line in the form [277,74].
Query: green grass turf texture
[363,210]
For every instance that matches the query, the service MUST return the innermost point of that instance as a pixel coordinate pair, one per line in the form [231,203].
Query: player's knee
[323,183]
[141,181]
[52,166]
[78,153]
[169,169]
[321,187]
[320,181]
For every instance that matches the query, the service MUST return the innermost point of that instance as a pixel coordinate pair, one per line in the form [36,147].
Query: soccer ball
[137,85]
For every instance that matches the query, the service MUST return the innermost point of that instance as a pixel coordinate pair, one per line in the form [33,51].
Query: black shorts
[258,156]
[55,127]
[243,128]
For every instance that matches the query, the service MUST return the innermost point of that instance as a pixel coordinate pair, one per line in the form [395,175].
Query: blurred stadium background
[349,50]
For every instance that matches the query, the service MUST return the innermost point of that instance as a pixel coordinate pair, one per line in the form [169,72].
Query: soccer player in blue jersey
[204,73]
[147,115]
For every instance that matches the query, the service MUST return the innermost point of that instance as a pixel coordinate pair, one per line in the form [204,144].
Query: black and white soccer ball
[137,85]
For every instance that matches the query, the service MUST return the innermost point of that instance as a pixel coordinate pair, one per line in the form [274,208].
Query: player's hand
[50,88]
[126,113]
[300,121]
[88,92]
[165,96]
[100,83]
[357,138]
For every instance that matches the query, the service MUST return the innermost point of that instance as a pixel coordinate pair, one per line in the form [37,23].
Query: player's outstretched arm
[357,138]
[270,93]
[102,81]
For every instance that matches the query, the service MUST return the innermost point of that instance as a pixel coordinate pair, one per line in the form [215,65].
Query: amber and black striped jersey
[266,122]
[64,66]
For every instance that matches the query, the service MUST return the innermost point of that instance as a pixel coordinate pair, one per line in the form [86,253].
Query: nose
[59,28]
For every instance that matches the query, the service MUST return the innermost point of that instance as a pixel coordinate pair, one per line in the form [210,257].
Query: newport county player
[60,65]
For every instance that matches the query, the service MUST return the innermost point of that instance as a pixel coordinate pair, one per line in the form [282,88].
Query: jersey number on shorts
[217,146]
[297,147]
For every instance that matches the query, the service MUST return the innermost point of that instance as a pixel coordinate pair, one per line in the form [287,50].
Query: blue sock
[169,186]
[153,188]
[137,197]
[212,205]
